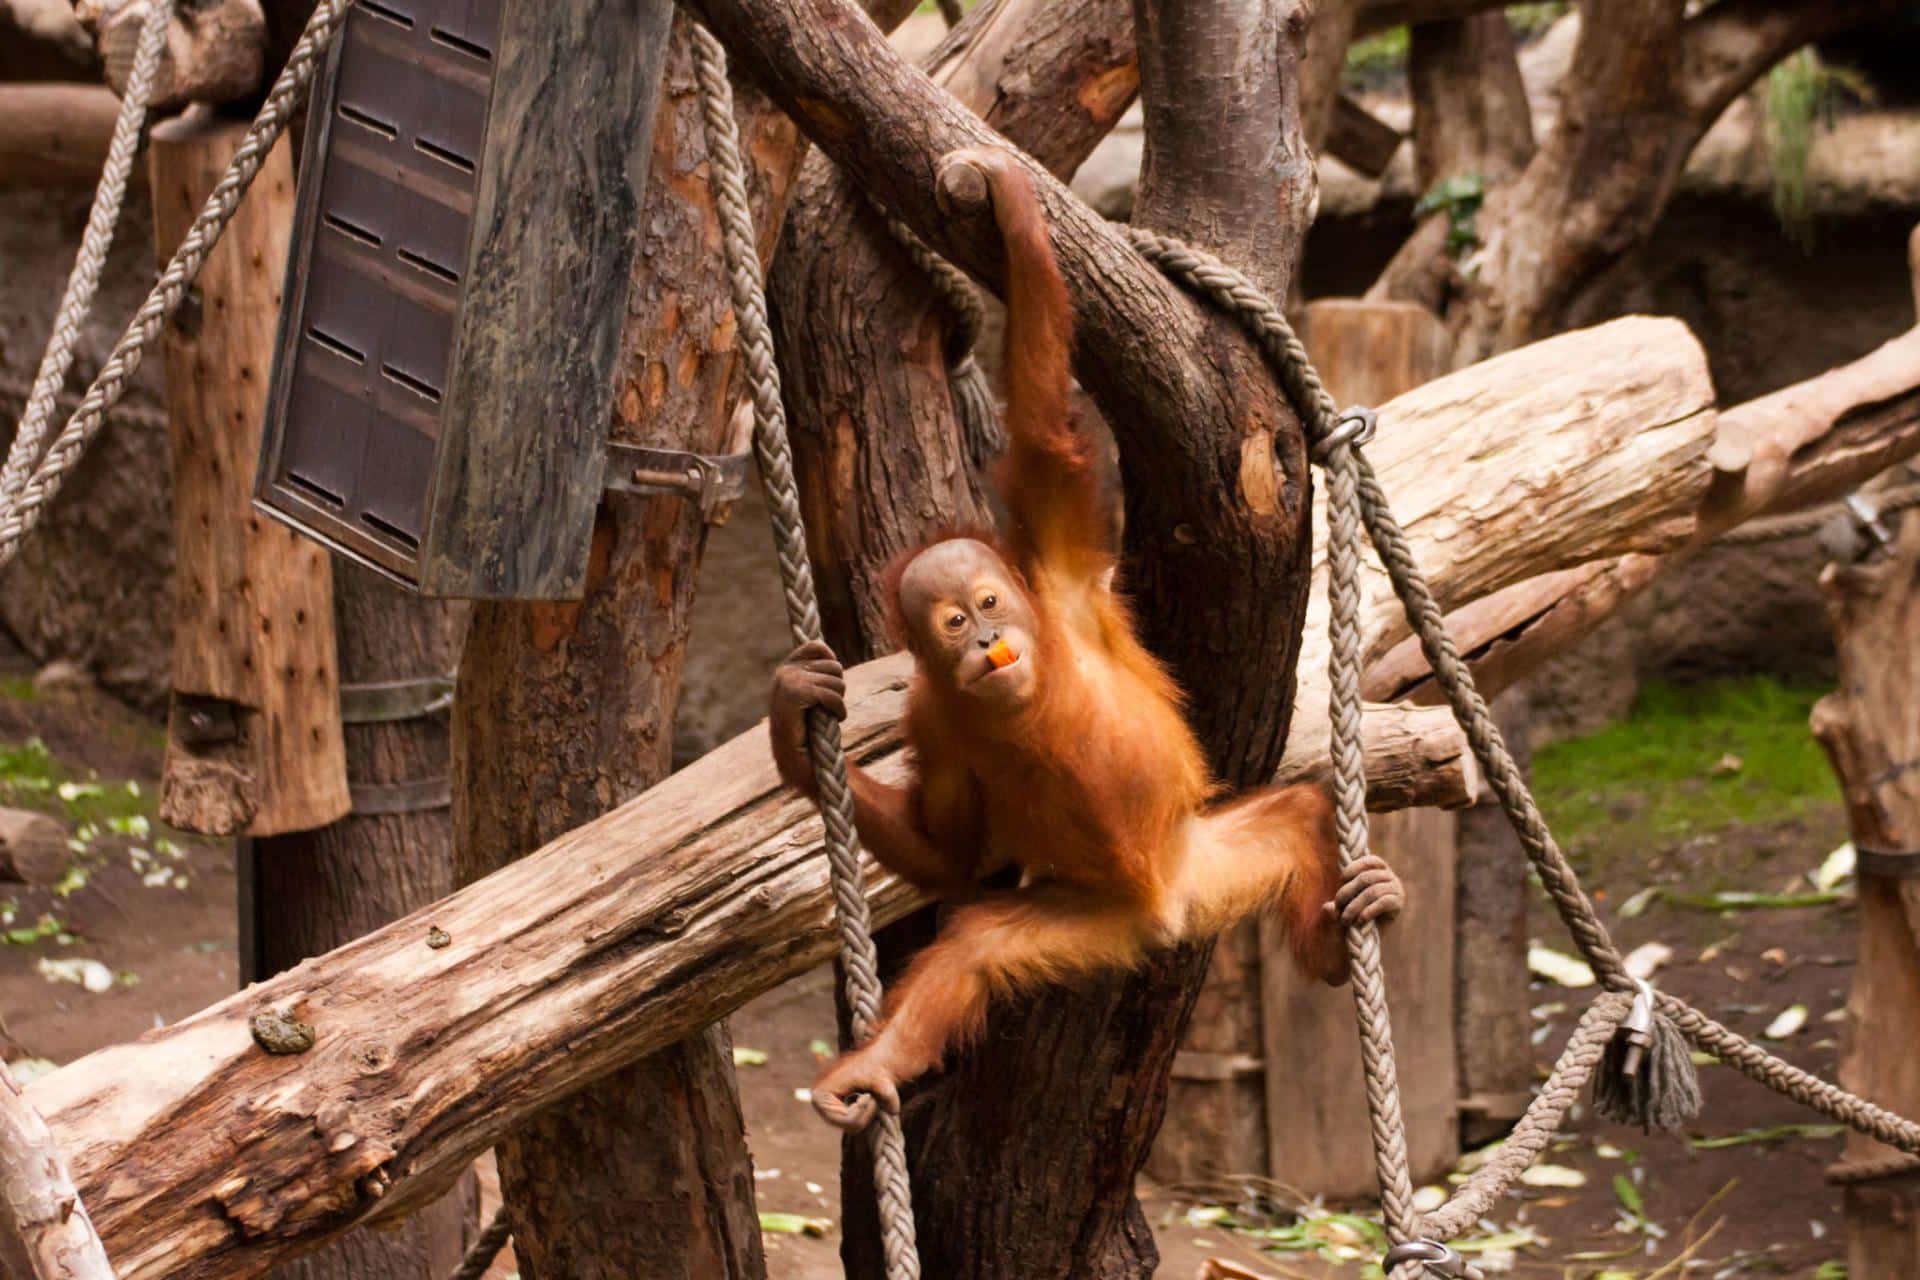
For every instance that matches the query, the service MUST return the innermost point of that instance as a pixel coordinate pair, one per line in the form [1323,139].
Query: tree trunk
[56,135]
[1871,729]
[45,1233]
[1470,112]
[1646,83]
[313,891]
[567,711]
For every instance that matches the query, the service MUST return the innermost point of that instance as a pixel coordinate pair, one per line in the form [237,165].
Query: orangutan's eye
[954,621]
[989,601]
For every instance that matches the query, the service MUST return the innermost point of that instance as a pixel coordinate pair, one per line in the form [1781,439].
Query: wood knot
[960,181]
[438,937]
[281,1033]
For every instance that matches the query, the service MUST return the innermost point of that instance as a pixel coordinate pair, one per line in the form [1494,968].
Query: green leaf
[794,1224]
[1777,1133]
[745,1057]
[1629,1195]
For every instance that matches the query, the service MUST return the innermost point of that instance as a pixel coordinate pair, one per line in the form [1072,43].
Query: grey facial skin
[959,599]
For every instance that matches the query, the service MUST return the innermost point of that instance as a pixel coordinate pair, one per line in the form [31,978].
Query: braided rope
[1851,1173]
[860,965]
[1799,524]
[1350,822]
[980,426]
[1354,488]
[492,1239]
[20,511]
[95,243]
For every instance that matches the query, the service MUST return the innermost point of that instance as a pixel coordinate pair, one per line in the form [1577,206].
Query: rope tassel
[973,407]
[1647,1076]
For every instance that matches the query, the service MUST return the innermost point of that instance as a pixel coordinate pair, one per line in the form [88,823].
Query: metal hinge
[714,481]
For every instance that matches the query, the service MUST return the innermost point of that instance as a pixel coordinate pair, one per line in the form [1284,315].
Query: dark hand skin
[1369,890]
[811,677]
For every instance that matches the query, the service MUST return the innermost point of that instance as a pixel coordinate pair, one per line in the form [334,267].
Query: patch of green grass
[31,778]
[17,688]
[1658,776]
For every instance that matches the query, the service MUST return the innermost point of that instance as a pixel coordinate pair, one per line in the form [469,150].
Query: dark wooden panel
[562,175]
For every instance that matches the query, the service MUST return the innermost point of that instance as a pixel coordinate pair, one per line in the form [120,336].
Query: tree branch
[1731,44]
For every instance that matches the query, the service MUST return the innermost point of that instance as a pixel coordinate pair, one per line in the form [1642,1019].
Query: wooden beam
[1361,140]
[203,1155]
[254,742]
[56,135]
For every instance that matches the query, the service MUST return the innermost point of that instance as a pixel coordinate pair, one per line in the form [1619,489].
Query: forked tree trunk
[567,711]
[1870,727]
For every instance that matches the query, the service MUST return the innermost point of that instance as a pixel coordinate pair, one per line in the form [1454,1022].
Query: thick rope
[858,961]
[95,243]
[1351,477]
[1798,524]
[980,429]
[492,1239]
[20,512]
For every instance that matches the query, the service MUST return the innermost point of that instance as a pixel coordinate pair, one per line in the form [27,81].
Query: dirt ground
[1758,1208]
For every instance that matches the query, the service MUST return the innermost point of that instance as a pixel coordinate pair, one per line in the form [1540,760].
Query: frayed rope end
[1647,1076]
[973,405]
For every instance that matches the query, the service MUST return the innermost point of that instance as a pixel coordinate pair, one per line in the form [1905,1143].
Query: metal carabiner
[1438,1258]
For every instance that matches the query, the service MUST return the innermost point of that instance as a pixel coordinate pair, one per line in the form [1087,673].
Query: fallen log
[1804,444]
[201,1154]
[33,847]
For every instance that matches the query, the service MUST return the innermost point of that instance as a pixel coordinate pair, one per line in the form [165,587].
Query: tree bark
[45,1233]
[202,1156]
[1870,727]
[1470,112]
[567,711]
[862,336]
[56,135]
[33,847]
[313,891]
[1647,81]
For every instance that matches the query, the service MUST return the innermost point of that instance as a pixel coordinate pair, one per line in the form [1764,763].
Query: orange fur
[1096,788]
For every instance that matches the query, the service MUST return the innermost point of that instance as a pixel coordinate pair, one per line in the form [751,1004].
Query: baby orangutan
[1045,736]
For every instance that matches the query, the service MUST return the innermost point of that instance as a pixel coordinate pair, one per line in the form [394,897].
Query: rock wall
[94,582]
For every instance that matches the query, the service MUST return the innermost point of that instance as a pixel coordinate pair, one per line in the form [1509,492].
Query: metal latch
[714,481]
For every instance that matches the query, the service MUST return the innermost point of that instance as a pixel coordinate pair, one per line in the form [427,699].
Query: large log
[1870,727]
[1804,444]
[56,135]
[215,51]
[201,1155]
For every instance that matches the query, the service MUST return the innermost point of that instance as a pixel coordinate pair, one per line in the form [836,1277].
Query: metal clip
[1354,426]
[713,481]
[1439,1259]
[1866,517]
[1637,1026]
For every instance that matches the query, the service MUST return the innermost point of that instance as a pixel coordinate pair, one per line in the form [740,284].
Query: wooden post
[253,742]
[1870,727]
[1316,1104]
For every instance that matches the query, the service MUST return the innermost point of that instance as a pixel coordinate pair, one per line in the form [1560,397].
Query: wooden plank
[522,451]
[253,639]
[1316,1091]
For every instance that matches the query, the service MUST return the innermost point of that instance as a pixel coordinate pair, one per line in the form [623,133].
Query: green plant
[1802,95]
[1459,197]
